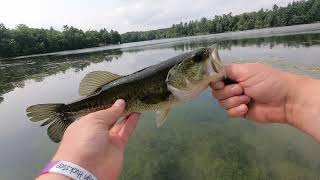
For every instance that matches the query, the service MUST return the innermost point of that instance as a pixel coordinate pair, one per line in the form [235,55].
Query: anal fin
[57,129]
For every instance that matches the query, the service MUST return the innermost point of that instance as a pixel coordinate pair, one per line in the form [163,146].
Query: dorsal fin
[94,80]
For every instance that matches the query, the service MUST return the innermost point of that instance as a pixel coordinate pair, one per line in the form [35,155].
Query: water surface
[198,141]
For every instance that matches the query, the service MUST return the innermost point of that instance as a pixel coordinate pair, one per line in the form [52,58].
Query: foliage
[25,41]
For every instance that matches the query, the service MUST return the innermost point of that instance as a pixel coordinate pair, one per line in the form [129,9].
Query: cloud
[147,14]
[122,15]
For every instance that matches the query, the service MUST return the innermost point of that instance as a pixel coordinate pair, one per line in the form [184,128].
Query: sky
[120,15]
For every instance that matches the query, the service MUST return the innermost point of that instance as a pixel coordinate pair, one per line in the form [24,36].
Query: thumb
[110,115]
[237,72]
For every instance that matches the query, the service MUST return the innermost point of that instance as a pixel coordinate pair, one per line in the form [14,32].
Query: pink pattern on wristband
[48,167]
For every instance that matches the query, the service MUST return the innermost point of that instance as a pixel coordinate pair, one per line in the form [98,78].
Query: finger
[109,116]
[239,111]
[234,101]
[129,126]
[217,85]
[228,91]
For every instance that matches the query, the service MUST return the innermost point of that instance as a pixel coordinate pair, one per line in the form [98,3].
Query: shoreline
[248,34]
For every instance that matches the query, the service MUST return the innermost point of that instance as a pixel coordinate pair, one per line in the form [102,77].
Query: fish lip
[212,59]
[215,67]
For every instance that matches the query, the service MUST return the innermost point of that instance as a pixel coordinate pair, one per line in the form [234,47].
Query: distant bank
[257,33]
[24,40]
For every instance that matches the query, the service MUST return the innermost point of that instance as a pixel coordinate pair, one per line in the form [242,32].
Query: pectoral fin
[94,80]
[162,117]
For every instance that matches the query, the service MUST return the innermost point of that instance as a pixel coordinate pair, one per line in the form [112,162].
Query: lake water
[198,141]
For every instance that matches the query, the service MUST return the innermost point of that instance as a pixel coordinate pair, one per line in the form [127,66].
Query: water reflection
[197,142]
[303,41]
[14,72]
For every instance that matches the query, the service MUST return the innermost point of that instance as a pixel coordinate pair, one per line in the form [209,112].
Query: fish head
[194,74]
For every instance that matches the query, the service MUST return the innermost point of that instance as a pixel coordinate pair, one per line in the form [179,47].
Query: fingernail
[242,108]
[218,85]
[119,103]
[233,87]
[244,99]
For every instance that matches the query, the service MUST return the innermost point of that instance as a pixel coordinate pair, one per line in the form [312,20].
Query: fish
[156,88]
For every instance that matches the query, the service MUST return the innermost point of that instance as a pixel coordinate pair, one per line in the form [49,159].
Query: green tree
[115,37]
[105,36]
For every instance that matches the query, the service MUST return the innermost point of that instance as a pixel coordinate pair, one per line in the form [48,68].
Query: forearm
[303,105]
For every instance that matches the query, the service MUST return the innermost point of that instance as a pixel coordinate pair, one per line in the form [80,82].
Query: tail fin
[51,114]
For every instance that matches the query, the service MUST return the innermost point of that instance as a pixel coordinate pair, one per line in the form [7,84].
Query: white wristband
[68,169]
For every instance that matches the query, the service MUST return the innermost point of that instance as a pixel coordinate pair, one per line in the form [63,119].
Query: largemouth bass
[156,88]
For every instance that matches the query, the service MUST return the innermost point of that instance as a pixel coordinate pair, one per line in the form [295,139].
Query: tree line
[24,40]
[299,12]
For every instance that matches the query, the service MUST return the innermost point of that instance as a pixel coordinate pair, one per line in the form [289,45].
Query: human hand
[95,144]
[260,94]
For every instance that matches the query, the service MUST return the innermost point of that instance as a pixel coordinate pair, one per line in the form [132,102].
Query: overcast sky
[121,15]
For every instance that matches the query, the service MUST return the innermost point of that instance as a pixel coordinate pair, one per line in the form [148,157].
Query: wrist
[76,158]
[303,102]
[65,170]
[99,166]
[295,85]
